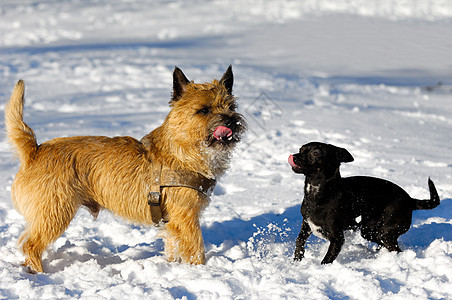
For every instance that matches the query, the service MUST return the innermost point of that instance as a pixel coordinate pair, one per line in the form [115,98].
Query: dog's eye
[204,111]
[315,153]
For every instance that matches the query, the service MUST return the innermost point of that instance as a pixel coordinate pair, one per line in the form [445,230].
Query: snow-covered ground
[374,77]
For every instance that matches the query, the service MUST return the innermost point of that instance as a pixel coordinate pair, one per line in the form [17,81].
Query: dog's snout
[294,163]
[235,121]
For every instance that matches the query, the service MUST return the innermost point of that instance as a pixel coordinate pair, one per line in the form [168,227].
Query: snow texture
[372,76]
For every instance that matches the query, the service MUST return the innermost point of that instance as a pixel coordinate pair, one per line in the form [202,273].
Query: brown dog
[174,168]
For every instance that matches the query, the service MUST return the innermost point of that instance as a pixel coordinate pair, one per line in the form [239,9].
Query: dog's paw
[326,261]
[298,257]
[28,268]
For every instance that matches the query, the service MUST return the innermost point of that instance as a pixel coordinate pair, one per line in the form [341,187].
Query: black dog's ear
[228,80]
[343,155]
[179,84]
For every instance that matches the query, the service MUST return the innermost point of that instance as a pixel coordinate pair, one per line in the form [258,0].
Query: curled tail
[432,202]
[20,134]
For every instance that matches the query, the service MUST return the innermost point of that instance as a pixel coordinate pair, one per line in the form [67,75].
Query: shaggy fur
[59,176]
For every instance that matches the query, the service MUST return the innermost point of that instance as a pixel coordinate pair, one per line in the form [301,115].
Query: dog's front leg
[184,241]
[336,243]
[303,236]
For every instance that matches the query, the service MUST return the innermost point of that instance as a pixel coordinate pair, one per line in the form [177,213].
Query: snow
[371,76]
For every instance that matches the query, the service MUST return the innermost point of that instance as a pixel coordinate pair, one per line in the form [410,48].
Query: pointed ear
[343,155]
[228,80]
[179,84]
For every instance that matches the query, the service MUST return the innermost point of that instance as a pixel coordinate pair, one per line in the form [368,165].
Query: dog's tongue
[291,162]
[222,132]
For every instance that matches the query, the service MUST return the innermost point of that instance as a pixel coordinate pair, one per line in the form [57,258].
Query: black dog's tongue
[222,133]
[291,162]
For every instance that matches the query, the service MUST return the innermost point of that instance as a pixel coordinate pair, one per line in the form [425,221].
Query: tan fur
[59,176]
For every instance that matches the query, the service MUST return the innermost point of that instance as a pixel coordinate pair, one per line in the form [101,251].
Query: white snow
[373,76]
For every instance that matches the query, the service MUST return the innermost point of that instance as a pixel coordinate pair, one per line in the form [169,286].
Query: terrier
[380,209]
[164,179]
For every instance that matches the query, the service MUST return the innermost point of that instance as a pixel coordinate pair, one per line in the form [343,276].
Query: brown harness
[165,178]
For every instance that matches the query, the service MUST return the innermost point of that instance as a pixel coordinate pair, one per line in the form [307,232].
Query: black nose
[235,122]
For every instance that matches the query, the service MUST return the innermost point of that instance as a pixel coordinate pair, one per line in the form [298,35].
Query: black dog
[331,204]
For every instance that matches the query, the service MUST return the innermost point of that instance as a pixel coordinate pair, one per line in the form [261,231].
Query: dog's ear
[228,80]
[179,84]
[343,155]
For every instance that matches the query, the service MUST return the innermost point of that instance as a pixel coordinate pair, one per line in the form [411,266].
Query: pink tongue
[221,132]
[291,162]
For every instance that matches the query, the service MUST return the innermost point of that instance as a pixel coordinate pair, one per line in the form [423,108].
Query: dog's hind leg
[32,250]
[303,236]
[46,225]
[389,241]
[34,244]
[395,223]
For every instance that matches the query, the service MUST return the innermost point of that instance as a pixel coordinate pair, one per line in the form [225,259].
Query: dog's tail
[432,202]
[20,134]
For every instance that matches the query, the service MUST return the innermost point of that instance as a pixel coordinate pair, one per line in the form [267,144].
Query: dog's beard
[217,158]
[220,143]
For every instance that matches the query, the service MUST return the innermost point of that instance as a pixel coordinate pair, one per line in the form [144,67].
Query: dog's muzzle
[294,166]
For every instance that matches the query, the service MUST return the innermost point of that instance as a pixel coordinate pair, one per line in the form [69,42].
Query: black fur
[333,204]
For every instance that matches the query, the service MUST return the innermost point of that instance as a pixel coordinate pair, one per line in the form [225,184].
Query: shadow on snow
[419,236]
[272,228]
